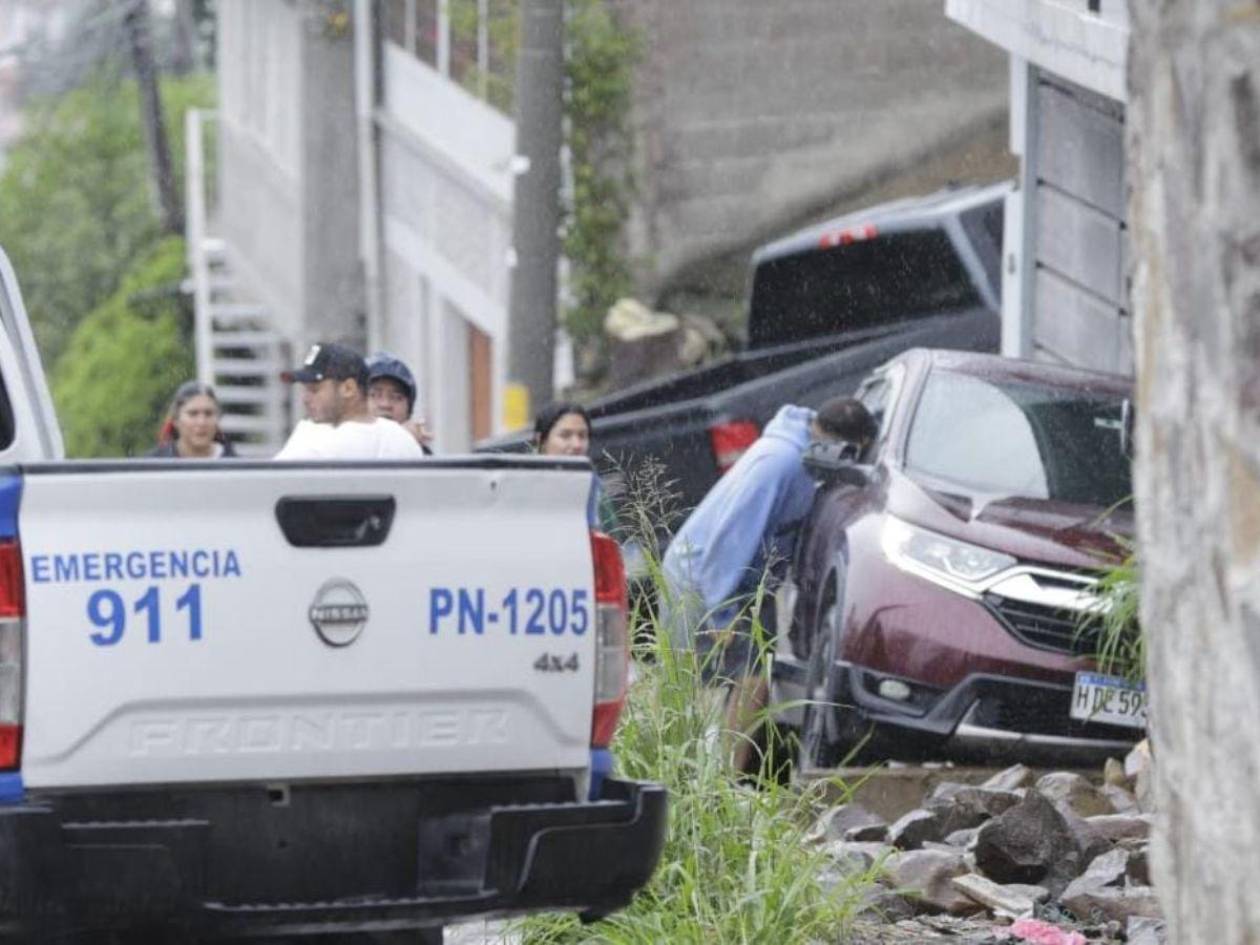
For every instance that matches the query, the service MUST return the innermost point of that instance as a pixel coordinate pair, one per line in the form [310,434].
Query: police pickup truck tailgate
[225,622]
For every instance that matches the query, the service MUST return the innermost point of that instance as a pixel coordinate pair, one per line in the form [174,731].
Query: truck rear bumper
[294,860]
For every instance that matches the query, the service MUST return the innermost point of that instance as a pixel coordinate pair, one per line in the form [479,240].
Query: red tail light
[12,629]
[854,234]
[612,642]
[731,440]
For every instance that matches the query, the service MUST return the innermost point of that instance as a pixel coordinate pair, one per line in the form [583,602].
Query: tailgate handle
[335,521]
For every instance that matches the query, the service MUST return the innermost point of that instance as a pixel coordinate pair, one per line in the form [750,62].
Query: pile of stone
[1018,847]
[644,344]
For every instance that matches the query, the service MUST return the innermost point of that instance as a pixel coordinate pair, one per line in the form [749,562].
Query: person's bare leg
[744,705]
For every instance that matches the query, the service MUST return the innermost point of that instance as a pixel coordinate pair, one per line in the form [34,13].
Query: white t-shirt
[377,438]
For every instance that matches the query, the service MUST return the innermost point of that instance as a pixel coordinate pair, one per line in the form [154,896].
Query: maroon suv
[943,581]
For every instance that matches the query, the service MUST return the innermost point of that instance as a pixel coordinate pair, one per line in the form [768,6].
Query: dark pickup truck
[826,306]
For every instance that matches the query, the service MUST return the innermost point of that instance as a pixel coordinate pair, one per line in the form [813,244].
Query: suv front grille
[1049,628]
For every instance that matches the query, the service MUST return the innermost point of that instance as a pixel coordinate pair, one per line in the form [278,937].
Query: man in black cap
[341,424]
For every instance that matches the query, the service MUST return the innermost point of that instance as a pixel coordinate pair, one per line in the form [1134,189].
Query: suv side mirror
[834,463]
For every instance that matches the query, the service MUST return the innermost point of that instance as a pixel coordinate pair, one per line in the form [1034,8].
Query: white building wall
[445,185]
[260,200]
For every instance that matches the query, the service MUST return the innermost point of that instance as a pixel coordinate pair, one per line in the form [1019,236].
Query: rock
[1113,774]
[1105,870]
[963,806]
[1117,827]
[837,822]
[1037,894]
[963,838]
[1100,893]
[883,904]
[1090,841]
[701,339]
[923,878]
[1066,789]
[856,857]
[1137,766]
[914,829]
[871,833]
[642,343]
[1138,872]
[1117,903]
[1030,843]
[943,792]
[1002,900]
[1121,799]
[1013,778]
[1146,931]
[1137,760]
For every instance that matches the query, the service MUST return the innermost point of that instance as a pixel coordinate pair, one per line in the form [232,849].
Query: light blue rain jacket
[748,518]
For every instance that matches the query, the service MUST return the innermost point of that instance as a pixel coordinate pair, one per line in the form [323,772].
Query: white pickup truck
[257,700]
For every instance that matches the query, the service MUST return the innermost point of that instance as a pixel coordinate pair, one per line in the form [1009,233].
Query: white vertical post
[195,239]
[444,39]
[483,46]
[409,26]
[369,195]
[1019,254]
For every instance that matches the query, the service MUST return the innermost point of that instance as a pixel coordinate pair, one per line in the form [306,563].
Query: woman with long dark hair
[564,429]
[191,429]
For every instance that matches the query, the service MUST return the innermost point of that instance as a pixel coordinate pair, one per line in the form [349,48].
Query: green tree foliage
[76,200]
[600,66]
[125,359]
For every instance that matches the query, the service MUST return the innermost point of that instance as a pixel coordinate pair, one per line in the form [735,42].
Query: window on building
[472,42]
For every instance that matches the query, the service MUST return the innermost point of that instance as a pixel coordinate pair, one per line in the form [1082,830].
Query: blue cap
[382,364]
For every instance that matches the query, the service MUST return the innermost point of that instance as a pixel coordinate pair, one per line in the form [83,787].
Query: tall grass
[1112,622]
[736,867]
[1121,647]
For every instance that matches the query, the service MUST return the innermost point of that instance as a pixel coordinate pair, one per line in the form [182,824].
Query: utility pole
[140,36]
[535,211]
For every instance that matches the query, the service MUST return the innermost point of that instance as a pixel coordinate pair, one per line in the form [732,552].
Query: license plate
[1109,699]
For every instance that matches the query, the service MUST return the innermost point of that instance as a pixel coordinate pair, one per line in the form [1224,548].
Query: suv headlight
[955,564]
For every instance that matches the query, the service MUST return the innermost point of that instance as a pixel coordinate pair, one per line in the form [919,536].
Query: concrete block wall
[752,114]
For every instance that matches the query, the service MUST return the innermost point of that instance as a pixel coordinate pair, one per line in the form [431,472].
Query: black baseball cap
[326,360]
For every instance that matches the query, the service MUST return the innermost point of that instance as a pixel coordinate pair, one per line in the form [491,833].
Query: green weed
[736,866]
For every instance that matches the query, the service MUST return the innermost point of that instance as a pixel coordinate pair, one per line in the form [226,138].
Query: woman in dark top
[191,429]
[564,429]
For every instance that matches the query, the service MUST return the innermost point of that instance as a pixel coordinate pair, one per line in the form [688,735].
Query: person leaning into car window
[740,534]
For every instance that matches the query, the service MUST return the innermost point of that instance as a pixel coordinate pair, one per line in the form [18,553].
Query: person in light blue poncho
[742,531]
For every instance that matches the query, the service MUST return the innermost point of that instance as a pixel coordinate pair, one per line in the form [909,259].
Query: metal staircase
[237,350]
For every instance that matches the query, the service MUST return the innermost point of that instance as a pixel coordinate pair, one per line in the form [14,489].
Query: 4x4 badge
[339,612]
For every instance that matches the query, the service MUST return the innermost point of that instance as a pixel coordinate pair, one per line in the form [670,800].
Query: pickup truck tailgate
[227,622]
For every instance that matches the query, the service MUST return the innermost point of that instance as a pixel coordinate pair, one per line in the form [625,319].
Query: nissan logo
[338,613]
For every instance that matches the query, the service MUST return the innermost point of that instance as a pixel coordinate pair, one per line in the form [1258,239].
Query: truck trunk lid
[227,622]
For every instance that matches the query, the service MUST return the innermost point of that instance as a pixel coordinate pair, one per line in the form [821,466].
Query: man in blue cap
[392,395]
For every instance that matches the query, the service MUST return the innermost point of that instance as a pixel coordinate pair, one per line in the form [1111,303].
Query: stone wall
[753,116]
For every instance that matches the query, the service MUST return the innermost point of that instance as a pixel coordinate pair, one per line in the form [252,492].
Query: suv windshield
[1021,439]
[825,291]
